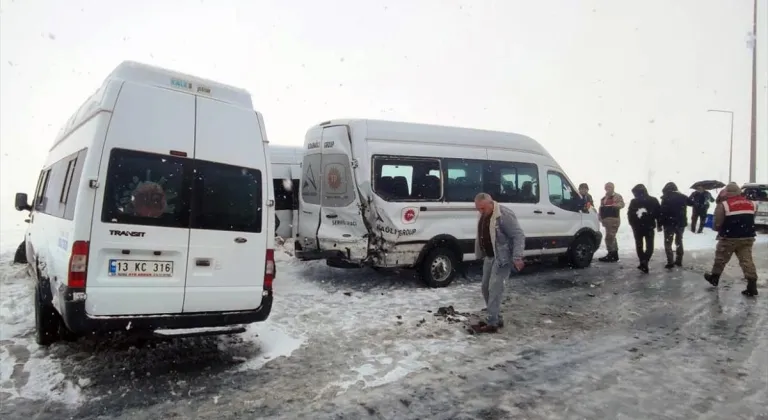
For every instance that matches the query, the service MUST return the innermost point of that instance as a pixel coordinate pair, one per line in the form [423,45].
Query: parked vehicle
[395,194]
[759,194]
[153,211]
[286,171]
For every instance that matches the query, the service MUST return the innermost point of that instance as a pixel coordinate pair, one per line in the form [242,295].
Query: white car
[758,193]
[153,210]
[395,194]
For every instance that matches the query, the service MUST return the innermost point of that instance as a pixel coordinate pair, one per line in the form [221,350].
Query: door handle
[331,216]
[203,262]
[550,212]
[423,208]
[538,211]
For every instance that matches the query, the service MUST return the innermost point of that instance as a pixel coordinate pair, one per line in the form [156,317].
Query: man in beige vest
[609,211]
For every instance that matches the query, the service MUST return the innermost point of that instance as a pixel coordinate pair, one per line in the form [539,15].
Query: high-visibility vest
[739,218]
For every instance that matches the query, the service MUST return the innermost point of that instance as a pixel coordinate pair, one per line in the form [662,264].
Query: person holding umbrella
[699,201]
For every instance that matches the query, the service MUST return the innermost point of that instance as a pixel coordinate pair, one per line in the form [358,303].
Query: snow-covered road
[606,342]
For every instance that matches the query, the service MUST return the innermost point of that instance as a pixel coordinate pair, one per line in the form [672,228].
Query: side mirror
[22,203]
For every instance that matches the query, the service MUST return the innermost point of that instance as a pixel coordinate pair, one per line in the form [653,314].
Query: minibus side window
[562,194]
[513,182]
[42,186]
[463,179]
[407,178]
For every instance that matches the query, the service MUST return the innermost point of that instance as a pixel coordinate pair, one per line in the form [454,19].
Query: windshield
[756,193]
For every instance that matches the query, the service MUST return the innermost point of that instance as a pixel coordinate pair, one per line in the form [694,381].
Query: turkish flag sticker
[409,215]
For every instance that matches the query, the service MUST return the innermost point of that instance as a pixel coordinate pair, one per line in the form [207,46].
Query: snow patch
[16,305]
[47,382]
[7,363]
[379,369]
[274,343]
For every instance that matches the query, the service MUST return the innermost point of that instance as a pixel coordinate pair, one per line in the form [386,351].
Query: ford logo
[240,240]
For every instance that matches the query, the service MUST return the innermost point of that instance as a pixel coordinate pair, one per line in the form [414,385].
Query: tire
[581,252]
[438,269]
[47,321]
[20,257]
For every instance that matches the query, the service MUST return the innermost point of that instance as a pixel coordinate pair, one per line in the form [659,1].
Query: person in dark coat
[644,218]
[584,191]
[699,201]
[674,219]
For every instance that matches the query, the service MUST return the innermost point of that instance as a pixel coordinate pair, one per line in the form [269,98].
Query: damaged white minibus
[395,194]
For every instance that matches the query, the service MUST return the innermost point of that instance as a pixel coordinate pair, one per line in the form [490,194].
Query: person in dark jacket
[643,214]
[699,201]
[584,191]
[674,219]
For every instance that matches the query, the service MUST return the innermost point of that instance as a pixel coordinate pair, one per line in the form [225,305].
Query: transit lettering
[126,233]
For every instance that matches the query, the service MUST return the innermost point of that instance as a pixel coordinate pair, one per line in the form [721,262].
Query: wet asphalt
[606,342]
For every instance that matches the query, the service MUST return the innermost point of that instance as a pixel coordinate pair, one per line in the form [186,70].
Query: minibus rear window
[226,197]
[146,189]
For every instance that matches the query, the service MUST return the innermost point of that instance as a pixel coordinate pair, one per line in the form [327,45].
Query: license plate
[140,268]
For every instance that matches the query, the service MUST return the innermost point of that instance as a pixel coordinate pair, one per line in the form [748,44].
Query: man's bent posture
[500,243]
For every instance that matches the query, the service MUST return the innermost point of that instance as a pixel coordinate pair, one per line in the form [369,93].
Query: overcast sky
[616,90]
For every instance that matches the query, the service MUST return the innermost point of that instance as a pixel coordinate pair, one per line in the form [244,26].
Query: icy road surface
[606,342]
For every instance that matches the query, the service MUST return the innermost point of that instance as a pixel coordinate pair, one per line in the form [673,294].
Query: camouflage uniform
[735,224]
[742,247]
[610,207]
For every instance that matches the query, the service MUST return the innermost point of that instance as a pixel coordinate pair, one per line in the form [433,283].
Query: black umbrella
[708,185]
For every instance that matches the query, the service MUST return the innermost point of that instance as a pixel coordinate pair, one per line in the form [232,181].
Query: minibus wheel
[438,269]
[581,252]
[46,321]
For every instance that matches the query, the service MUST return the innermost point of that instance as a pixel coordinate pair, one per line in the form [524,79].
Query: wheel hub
[440,269]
